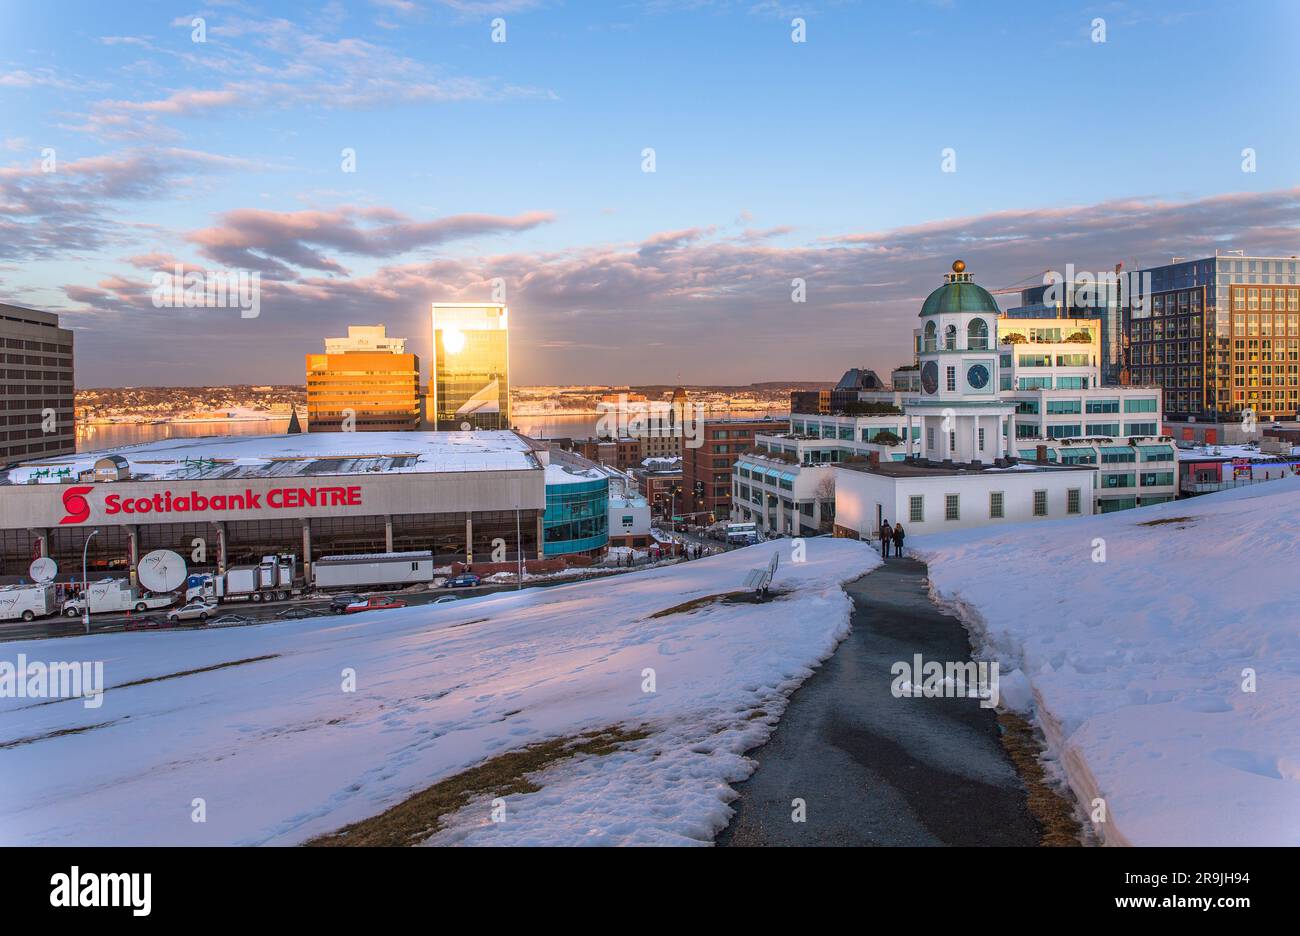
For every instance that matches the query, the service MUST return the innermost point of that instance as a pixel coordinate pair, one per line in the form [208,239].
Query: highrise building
[364,383]
[36,394]
[1221,335]
[470,383]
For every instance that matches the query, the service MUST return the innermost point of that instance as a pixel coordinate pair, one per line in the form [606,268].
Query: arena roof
[296,455]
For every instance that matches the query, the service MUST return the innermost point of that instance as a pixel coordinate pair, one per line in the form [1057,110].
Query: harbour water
[97,438]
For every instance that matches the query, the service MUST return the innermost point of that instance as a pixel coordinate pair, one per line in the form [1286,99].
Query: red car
[374,603]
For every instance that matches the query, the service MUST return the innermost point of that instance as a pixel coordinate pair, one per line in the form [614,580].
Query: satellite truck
[110,594]
[27,602]
[161,572]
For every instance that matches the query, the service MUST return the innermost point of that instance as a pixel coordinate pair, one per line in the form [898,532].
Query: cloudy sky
[127,147]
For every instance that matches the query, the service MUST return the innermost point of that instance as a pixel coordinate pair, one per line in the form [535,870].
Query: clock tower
[961,417]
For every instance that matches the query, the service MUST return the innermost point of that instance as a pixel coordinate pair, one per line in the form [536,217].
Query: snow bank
[278,753]
[1136,663]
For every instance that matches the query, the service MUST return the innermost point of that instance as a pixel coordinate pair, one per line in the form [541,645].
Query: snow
[184,458]
[1134,666]
[279,753]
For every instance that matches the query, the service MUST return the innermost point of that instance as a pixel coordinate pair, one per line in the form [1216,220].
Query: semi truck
[275,578]
[108,595]
[27,602]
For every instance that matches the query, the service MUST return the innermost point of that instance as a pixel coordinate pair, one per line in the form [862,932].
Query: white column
[1011,433]
[907,429]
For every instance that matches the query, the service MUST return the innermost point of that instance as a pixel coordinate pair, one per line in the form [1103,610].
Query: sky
[371,157]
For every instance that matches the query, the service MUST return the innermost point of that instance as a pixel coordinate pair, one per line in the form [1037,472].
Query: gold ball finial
[959,266]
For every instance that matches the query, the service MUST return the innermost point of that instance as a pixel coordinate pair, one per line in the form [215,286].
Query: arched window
[950,338]
[977,335]
[930,336]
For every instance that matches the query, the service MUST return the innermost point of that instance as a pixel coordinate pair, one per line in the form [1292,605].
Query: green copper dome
[959,294]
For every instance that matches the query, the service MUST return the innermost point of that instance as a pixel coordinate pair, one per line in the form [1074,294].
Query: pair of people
[890,535]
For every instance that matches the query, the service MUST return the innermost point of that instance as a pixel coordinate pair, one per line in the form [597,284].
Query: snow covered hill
[1136,665]
[278,753]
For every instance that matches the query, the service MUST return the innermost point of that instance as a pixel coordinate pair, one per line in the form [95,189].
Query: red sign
[74,502]
[168,502]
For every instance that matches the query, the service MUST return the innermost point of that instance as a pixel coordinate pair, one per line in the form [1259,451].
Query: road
[873,769]
[262,611]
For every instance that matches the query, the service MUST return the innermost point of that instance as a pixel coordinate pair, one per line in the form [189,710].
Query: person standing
[886,534]
[898,540]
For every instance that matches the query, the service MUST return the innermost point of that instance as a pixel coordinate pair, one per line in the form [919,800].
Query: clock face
[977,376]
[930,377]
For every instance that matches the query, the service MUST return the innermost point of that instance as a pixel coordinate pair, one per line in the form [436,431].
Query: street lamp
[85,584]
[519,553]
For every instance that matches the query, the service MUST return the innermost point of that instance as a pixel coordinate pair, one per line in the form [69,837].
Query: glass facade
[1221,335]
[576,518]
[470,383]
[371,391]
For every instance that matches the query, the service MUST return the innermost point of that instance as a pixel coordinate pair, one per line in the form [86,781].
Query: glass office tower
[470,383]
[1221,335]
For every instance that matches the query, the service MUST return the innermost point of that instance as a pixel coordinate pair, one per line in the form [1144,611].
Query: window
[995,505]
[952,507]
[931,339]
[1141,429]
[1040,503]
[929,440]
[977,335]
[916,508]
[950,338]
[1103,406]
[981,438]
[952,377]
[952,442]
[1063,408]
[1072,501]
[1139,405]
[1103,429]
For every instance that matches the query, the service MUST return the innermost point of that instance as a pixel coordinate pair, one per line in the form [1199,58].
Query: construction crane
[1020,284]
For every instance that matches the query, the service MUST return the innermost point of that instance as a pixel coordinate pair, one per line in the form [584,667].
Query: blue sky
[522,160]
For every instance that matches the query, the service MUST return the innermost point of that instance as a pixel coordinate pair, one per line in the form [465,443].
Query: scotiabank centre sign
[77,508]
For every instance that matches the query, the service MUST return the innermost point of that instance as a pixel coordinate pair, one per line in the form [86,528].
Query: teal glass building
[577,515]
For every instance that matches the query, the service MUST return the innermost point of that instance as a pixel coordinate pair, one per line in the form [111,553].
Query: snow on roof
[313,453]
[565,474]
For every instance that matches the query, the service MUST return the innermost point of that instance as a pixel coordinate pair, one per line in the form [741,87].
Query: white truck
[273,579]
[108,595]
[27,602]
[396,568]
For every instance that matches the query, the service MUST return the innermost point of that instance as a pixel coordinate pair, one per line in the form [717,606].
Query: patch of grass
[1053,811]
[1163,520]
[696,603]
[62,732]
[416,818]
[193,672]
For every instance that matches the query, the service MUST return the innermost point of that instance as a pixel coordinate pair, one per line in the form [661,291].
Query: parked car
[296,614]
[375,603]
[197,610]
[230,620]
[464,580]
[339,603]
[446,599]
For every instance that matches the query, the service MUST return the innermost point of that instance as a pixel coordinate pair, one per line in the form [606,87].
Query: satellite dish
[43,569]
[161,571]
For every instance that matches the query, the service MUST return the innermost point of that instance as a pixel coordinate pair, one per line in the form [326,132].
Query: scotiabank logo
[167,502]
[74,502]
